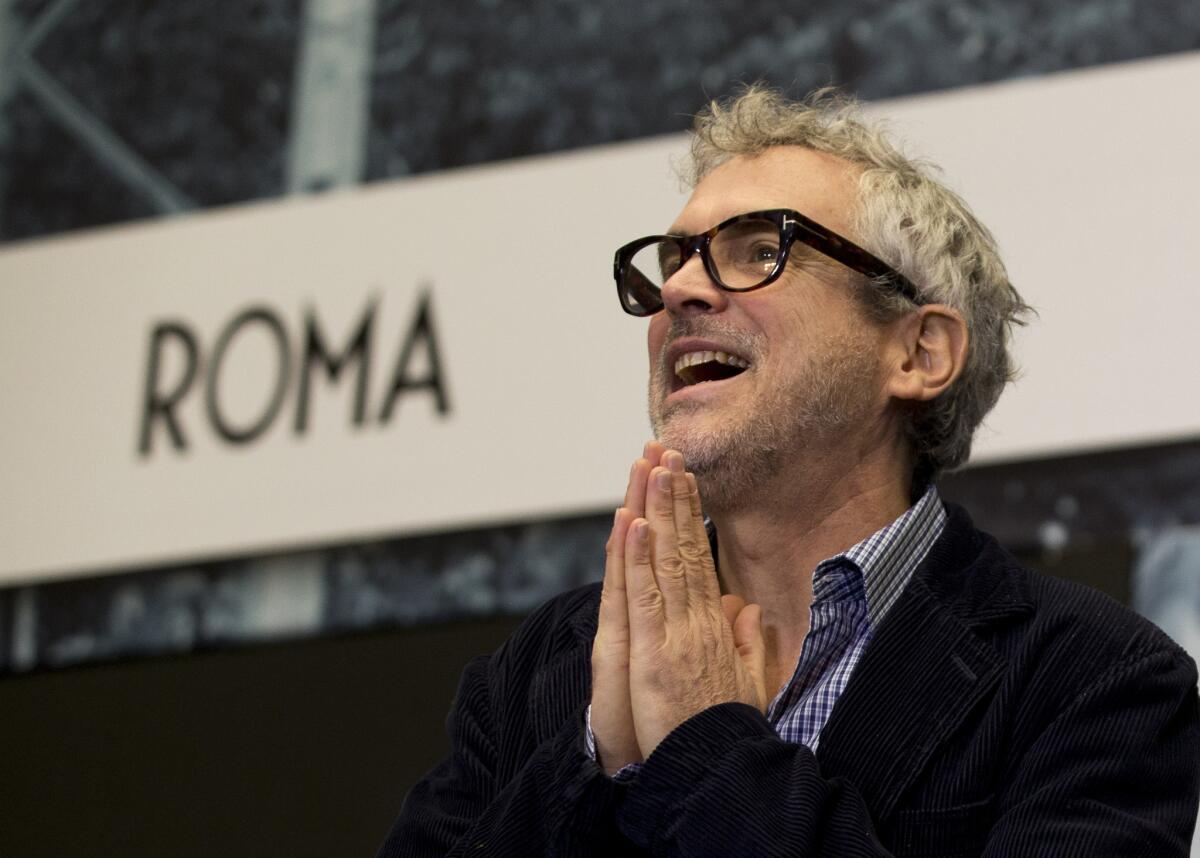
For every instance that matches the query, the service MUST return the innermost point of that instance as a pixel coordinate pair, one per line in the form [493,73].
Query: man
[835,663]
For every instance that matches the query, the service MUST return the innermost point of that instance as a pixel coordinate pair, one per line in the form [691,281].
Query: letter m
[316,352]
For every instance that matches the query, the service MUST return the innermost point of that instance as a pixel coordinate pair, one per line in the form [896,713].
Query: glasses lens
[647,270]
[746,253]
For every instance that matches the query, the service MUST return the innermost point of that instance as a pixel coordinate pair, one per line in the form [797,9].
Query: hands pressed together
[668,644]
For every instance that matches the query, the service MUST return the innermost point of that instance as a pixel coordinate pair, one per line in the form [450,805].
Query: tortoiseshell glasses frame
[642,296]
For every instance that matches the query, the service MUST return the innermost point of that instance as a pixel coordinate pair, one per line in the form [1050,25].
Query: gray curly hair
[908,219]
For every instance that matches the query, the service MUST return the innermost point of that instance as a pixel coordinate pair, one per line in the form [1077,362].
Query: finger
[748,638]
[635,492]
[643,598]
[670,569]
[710,586]
[681,500]
[652,452]
[694,497]
[731,606]
[614,610]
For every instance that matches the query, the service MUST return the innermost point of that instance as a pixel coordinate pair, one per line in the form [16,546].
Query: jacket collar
[970,575]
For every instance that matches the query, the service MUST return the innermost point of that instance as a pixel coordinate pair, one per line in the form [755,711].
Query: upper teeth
[693,358]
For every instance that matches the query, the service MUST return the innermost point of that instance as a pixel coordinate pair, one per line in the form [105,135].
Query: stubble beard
[818,400]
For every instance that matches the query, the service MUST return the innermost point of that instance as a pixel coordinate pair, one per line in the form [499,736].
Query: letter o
[233,434]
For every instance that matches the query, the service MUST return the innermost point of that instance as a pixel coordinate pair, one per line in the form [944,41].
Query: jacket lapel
[925,668]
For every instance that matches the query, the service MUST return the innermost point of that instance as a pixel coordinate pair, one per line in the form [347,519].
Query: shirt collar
[888,557]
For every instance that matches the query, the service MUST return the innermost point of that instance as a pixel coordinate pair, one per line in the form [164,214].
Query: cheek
[814,311]
[656,333]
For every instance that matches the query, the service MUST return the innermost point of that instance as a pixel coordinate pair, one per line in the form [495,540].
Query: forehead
[821,186]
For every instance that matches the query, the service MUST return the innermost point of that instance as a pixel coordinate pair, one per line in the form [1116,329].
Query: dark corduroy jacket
[996,712]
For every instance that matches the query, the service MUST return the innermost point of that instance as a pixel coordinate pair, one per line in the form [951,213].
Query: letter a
[422,331]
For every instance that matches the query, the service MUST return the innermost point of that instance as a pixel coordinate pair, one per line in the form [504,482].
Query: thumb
[748,638]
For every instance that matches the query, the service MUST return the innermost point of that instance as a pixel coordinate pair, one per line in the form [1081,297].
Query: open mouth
[692,368]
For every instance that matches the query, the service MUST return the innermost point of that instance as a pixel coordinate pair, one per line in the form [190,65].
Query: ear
[929,348]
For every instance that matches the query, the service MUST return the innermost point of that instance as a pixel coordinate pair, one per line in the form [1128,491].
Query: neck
[769,544]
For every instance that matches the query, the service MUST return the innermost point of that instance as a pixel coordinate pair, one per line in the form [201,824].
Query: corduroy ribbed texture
[996,712]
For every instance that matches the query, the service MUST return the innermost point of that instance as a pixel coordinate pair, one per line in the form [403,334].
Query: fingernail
[664,480]
[641,529]
[675,462]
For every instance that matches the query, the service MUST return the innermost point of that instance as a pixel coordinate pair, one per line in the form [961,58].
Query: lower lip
[702,390]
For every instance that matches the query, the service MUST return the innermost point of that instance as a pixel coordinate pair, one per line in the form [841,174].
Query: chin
[733,449]
[704,446]
[730,467]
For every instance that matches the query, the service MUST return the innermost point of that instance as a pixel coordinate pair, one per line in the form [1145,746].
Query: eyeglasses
[740,254]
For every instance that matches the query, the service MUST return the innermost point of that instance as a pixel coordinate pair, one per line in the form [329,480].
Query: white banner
[447,351]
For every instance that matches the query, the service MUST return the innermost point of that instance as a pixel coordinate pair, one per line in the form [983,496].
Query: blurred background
[313,383]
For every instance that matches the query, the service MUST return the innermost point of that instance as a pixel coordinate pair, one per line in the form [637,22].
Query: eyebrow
[675,229]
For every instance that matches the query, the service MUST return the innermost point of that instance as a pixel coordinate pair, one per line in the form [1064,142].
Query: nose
[691,292]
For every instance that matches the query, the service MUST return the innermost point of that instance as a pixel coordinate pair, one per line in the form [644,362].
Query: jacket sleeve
[501,792]
[1114,774]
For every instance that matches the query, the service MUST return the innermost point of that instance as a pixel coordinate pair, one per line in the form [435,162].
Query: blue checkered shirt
[852,592]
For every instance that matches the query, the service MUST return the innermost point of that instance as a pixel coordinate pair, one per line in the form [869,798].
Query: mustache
[746,343]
